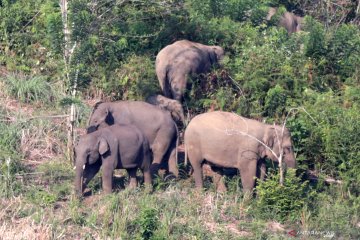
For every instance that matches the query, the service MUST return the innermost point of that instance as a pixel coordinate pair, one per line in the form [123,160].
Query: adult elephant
[180,59]
[114,147]
[291,22]
[227,140]
[156,124]
[171,105]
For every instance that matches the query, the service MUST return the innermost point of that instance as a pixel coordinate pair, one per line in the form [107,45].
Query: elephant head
[88,152]
[217,54]
[101,116]
[279,140]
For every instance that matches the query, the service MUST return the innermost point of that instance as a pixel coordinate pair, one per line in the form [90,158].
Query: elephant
[156,124]
[227,140]
[291,22]
[173,106]
[180,59]
[113,147]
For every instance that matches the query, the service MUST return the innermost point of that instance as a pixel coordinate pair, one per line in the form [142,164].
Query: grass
[37,202]
[173,212]
[28,89]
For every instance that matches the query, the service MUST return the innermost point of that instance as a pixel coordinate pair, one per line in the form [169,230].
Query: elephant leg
[248,174]
[178,87]
[146,168]
[196,162]
[218,179]
[90,171]
[172,164]
[147,177]
[132,177]
[159,149]
[107,176]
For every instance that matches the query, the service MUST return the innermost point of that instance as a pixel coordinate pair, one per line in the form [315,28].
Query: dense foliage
[310,78]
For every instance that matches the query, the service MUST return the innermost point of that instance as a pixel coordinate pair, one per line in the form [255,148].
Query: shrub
[134,79]
[148,221]
[281,202]
[275,101]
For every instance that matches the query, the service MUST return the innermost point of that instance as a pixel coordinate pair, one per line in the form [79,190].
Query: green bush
[148,221]
[275,101]
[134,79]
[278,202]
[330,211]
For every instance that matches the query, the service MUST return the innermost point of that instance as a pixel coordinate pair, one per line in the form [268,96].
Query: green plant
[40,197]
[28,88]
[275,101]
[278,202]
[148,221]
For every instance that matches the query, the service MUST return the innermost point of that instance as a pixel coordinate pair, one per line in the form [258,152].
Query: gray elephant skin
[227,140]
[156,124]
[171,105]
[177,61]
[291,22]
[114,147]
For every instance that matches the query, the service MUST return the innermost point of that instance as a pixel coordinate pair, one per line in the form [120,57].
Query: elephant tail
[166,84]
[177,144]
[185,157]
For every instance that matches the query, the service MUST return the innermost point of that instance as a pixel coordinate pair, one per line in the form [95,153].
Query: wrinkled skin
[173,106]
[156,124]
[217,138]
[291,22]
[177,61]
[114,147]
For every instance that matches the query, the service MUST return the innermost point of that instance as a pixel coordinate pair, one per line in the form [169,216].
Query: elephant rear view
[156,124]
[227,140]
[291,22]
[176,61]
[114,147]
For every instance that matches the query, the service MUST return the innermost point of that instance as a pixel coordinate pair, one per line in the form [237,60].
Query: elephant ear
[269,137]
[103,146]
[212,57]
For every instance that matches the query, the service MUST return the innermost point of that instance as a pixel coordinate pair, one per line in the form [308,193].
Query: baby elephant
[113,147]
[171,105]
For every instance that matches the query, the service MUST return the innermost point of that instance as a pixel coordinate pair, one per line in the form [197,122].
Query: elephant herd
[136,135]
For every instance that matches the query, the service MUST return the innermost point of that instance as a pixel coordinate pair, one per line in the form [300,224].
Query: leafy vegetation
[312,78]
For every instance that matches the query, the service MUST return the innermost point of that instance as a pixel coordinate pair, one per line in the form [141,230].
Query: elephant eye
[287,150]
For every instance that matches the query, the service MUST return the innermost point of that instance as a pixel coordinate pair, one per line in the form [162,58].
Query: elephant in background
[227,140]
[291,22]
[114,147]
[173,106]
[182,58]
[156,124]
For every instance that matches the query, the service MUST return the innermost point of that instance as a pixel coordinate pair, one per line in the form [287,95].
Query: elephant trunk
[79,183]
[182,117]
[290,160]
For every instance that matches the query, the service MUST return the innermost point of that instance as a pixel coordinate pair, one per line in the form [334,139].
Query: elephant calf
[173,106]
[227,140]
[114,147]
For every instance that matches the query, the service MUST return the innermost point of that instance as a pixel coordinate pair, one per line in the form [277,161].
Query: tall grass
[27,88]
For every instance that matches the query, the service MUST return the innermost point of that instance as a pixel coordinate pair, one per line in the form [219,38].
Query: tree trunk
[67,60]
